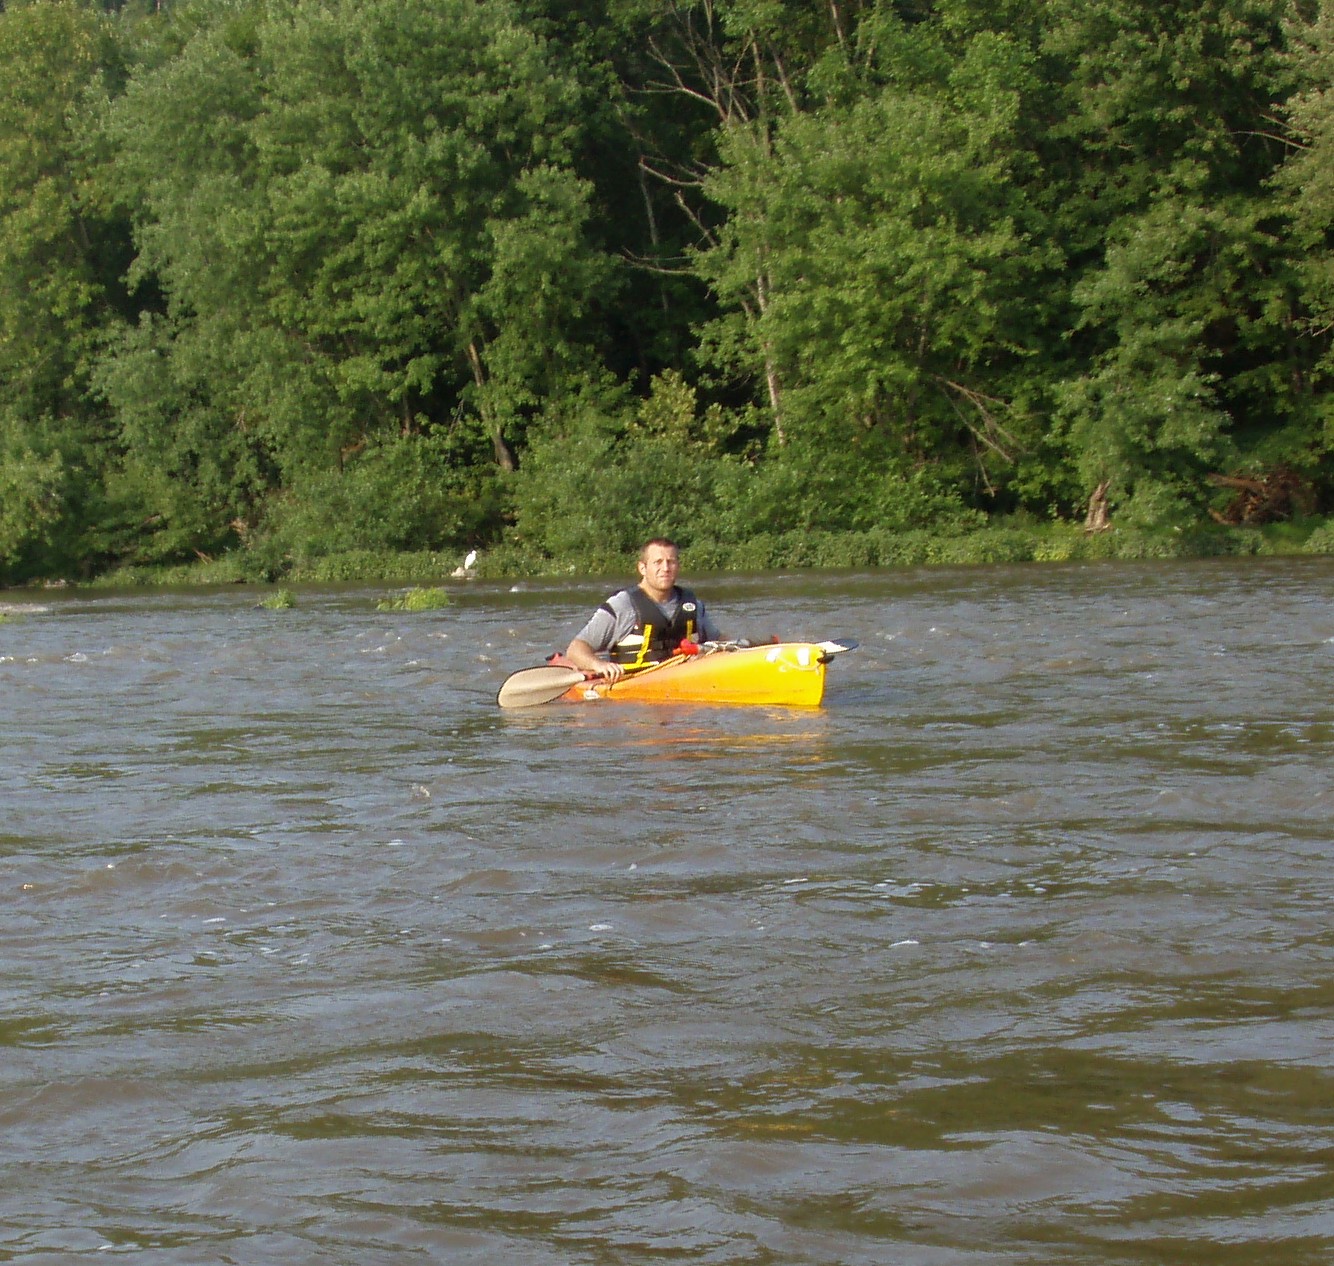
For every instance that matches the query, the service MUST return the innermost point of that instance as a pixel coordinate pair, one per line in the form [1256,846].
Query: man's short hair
[661,541]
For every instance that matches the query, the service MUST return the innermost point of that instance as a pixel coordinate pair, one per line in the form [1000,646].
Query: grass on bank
[998,543]
[279,600]
[418,598]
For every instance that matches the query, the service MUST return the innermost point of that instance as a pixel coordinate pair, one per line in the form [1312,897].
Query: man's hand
[581,655]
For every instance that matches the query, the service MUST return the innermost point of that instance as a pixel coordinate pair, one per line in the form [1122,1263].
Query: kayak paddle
[531,686]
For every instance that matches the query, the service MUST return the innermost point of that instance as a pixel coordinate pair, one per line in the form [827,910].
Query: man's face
[658,567]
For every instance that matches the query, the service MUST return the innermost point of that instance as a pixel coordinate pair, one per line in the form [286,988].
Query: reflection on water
[1016,951]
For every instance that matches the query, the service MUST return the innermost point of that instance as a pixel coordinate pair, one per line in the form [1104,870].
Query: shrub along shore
[1000,543]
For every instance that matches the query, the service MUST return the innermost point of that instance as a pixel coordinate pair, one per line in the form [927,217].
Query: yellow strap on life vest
[640,652]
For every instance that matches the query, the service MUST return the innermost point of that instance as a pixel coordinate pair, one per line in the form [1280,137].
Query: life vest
[656,637]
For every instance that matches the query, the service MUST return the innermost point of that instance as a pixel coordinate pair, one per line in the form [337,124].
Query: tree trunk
[772,382]
[1098,519]
[505,455]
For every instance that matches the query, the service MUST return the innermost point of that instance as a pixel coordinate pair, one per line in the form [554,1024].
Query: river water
[1019,950]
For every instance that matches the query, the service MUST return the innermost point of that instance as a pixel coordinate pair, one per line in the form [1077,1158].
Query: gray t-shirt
[604,630]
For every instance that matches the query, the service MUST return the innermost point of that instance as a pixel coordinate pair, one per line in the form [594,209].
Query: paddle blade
[836,645]
[531,686]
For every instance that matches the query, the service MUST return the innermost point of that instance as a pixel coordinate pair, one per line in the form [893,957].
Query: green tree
[1183,287]
[1307,178]
[605,475]
[59,249]
[365,223]
[888,229]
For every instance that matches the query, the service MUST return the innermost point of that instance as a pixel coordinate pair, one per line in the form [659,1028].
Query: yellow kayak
[780,674]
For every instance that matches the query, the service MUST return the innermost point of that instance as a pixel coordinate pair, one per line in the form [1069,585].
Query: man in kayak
[644,623]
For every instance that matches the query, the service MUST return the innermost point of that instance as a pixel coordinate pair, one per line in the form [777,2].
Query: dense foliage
[290,279]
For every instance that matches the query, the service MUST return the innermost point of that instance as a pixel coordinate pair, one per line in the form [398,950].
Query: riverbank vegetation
[418,598]
[324,289]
